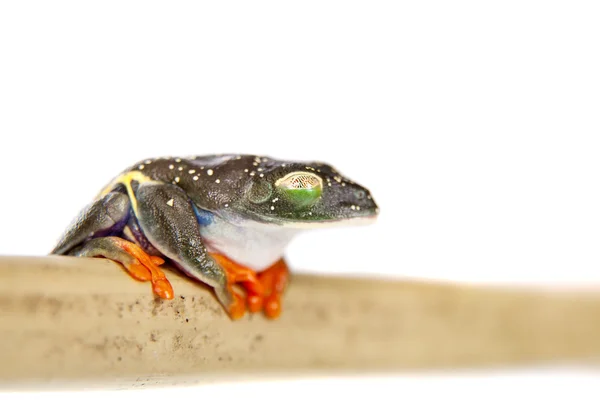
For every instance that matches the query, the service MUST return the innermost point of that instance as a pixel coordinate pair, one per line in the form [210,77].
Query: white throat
[253,244]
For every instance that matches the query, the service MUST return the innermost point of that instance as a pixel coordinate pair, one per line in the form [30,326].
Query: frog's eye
[303,188]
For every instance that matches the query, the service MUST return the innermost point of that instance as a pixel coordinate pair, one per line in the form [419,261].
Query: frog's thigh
[102,215]
[167,218]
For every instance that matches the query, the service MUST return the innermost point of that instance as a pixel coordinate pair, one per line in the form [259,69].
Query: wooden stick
[72,321]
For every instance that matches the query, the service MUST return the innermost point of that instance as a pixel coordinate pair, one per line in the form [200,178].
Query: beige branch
[84,322]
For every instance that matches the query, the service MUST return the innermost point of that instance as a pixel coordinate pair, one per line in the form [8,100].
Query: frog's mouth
[330,223]
[308,221]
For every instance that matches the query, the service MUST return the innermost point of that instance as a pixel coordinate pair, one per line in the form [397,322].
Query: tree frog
[224,220]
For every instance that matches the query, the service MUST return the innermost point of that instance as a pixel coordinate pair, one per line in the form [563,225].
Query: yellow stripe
[126,179]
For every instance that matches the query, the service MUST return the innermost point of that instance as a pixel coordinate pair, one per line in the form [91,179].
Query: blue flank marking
[204,217]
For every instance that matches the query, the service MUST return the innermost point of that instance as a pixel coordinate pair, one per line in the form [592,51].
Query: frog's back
[199,176]
[167,169]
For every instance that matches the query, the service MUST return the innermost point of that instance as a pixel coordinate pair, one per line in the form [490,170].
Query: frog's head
[303,195]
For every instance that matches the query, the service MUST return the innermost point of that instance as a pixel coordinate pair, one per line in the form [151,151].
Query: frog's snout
[358,203]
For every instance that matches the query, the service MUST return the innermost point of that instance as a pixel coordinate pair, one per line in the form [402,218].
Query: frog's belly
[254,245]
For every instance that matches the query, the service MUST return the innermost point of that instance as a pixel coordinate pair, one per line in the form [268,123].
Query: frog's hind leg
[91,236]
[167,218]
[140,265]
[105,216]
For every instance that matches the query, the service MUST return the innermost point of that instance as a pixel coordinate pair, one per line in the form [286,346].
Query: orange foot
[145,268]
[248,279]
[274,280]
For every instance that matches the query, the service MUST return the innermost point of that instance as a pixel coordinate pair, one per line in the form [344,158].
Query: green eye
[302,188]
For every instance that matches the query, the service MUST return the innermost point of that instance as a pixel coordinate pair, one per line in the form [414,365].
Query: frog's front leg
[255,290]
[91,235]
[274,279]
[167,218]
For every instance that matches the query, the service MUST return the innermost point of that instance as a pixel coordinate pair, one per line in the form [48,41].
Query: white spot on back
[170,202]
[209,172]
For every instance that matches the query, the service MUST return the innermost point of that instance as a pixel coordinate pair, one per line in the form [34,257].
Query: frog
[224,220]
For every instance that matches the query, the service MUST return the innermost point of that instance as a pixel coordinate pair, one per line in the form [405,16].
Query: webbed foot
[274,281]
[237,274]
[263,290]
[140,265]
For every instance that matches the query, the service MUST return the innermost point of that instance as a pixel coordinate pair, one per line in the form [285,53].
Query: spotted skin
[198,210]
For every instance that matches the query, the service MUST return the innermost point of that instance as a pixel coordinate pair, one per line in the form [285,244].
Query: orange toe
[272,307]
[237,308]
[163,289]
[139,272]
[255,303]
[157,260]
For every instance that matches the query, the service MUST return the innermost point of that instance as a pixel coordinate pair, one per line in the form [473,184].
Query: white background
[475,124]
